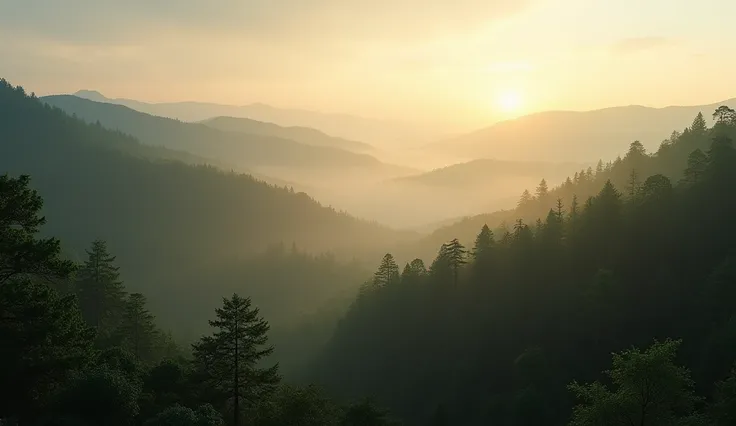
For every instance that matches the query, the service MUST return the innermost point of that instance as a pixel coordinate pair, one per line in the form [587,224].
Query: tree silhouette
[229,359]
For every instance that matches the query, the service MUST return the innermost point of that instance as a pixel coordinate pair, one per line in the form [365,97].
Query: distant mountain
[574,136]
[170,224]
[373,131]
[303,135]
[244,150]
[484,171]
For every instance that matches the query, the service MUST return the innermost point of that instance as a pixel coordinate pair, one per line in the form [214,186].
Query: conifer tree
[22,255]
[137,329]
[542,190]
[456,256]
[387,273]
[633,185]
[413,270]
[697,162]
[100,291]
[699,126]
[526,198]
[483,243]
[228,360]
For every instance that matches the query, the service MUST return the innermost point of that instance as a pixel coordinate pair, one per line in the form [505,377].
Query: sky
[461,64]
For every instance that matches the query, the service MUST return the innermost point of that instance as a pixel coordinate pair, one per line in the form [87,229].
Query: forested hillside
[175,227]
[245,150]
[573,135]
[508,330]
[79,350]
[626,173]
[303,135]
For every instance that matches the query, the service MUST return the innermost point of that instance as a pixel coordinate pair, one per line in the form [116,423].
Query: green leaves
[649,389]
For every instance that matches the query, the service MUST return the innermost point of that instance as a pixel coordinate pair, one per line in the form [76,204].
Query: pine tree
[560,212]
[599,168]
[413,270]
[456,256]
[100,291]
[699,126]
[633,185]
[21,254]
[697,162]
[228,360]
[387,273]
[526,198]
[542,190]
[483,243]
[137,330]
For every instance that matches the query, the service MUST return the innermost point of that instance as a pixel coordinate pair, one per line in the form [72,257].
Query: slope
[627,173]
[573,136]
[244,150]
[374,131]
[168,223]
[305,135]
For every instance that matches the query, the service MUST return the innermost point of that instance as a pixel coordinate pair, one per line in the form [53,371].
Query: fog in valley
[517,213]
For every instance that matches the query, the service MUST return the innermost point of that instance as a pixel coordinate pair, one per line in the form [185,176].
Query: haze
[367,213]
[453,66]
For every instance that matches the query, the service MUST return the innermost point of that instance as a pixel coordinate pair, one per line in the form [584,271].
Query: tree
[636,150]
[483,243]
[22,255]
[542,190]
[456,256]
[633,185]
[366,413]
[293,406]
[387,273]
[525,200]
[650,390]
[724,115]
[177,415]
[723,409]
[697,162]
[699,126]
[137,330]
[100,396]
[228,360]
[413,271]
[44,339]
[101,293]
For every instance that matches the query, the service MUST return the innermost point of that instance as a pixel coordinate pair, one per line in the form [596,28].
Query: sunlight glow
[509,101]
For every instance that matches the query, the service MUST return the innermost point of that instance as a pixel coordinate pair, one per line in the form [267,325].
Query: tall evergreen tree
[229,359]
[101,293]
[387,273]
[483,243]
[22,254]
[699,126]
[542,190]
[697,162]
[457,257]
[138,332]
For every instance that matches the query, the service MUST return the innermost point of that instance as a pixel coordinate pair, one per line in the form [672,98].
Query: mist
[384,213]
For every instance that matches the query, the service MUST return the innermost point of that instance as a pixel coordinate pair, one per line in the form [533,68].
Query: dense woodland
[173,226]
[493,333]
[608,300]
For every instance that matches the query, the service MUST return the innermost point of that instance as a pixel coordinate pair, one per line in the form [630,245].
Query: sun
[509,101]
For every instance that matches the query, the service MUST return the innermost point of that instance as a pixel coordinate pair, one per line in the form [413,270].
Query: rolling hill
[373,131]
[482,171]
[573,136]
[248,151]
[169,223]
[305,135]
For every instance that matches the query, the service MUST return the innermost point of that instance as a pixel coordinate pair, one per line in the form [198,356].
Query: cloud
[640,44]
[114,21]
